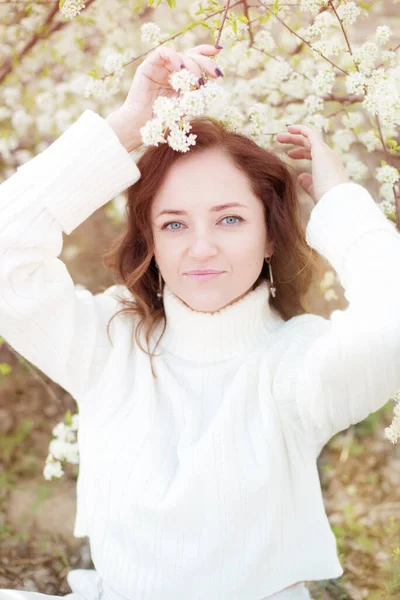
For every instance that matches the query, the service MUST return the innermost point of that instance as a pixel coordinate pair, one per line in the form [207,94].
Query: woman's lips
[205,276]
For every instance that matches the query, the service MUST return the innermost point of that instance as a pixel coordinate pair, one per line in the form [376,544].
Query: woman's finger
[207,64]
[167,58]
[299,153]
[205,49]
[311,134]
[290,138]
[190,64]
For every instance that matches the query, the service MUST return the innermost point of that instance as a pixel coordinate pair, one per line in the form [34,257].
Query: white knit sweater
[203,483]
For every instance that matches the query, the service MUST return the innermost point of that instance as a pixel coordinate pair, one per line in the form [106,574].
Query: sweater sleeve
[58,328]
[337,371]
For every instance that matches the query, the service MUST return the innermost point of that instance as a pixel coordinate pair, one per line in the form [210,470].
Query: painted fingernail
[201,81]
[182,66]
[219,72]
[218,46]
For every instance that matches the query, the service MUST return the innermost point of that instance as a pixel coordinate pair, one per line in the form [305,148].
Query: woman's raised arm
[337,371]
[58,328]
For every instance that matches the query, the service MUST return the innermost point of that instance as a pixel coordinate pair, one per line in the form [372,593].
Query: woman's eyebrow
[219,207]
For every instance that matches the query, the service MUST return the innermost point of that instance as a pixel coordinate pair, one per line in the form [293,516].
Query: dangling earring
[272,287]
[159,293]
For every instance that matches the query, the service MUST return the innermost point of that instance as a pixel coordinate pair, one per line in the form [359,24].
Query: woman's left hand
[327,167]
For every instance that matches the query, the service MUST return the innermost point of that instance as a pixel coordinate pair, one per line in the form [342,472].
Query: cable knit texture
[203,483]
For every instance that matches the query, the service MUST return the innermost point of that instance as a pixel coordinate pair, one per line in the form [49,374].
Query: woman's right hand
[150,81]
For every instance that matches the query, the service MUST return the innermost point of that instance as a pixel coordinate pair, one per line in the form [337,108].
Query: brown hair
[294,263]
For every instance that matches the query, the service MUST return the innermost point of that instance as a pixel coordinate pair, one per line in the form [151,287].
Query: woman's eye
[177,229]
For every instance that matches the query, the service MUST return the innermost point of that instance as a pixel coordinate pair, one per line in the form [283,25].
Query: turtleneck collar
[229,332]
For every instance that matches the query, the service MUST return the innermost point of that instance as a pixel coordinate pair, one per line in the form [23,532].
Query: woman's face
[204,235]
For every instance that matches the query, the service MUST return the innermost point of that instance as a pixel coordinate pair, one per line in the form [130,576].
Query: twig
[387,158]
[223,22]
[7,67]
[301,38]
[217,12]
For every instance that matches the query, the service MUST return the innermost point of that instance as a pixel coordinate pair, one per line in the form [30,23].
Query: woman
[198,475]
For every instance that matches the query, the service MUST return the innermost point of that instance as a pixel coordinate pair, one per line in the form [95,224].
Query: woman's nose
[203,245]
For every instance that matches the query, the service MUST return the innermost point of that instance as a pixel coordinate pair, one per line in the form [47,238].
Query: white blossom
[263,39]
[355,83]
[353,120]
[183,80]
[153,133]
[324,81]
[355,169]
[370,139]
[386,192]
[387,174]
[312,5]
[179,140]
[71,8]
[150,32]
[342,139]
[168,110]
[383,34]
[52,469]
[314,104]
[348,12]
[366,56]
[318,121]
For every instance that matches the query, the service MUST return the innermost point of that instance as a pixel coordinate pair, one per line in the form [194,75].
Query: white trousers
[84,584]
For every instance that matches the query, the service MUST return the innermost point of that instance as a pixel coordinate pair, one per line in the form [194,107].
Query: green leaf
[150,2]
[5,369]
[61,4]
[68,418]
[276,5]
[2,340]
[365,6]
[243,18]
[93,73]
[234,27]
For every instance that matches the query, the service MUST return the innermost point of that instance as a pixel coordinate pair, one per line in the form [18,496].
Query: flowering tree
[283,61]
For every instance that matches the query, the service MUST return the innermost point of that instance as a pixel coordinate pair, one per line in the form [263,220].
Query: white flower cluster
[175,113]
[392,433]
[348,13]
[102,88]
[324,81]
[383,98]
[264,40]
[312,6]
[71,8]
[115,62]
[63,448]
[387,174]
[365,56]
[356,82]
[383,34]
[150,32]
[329,279]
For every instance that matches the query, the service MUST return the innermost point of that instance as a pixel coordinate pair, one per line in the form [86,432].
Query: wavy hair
[294,263]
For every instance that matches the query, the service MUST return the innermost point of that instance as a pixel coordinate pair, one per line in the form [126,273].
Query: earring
[159,293]
[272,287]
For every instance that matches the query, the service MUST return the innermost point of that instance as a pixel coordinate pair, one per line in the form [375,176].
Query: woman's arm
[59,329]
[336,371]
